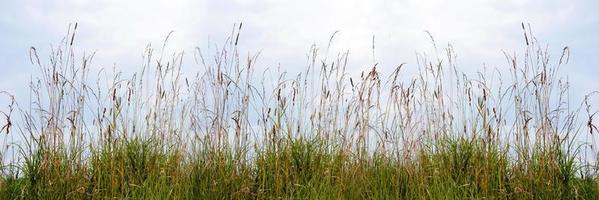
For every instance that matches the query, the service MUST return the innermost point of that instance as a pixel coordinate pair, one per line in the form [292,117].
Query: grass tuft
[232,131]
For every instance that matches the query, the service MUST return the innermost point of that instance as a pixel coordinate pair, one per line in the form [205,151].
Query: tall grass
[233,132]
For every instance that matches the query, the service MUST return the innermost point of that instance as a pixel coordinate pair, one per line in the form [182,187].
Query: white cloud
[284,30]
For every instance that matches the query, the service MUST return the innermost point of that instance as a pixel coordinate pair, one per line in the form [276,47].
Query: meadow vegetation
[231,131]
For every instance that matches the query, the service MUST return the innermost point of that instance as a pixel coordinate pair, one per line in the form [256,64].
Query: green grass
[229,133]
[302,169]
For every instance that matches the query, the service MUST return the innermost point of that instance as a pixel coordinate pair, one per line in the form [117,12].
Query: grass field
[232,132]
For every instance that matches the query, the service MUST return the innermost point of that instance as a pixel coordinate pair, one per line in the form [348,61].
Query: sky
[283,31]
[118,31]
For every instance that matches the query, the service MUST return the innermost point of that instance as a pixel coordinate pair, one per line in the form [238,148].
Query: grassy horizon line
[230,132]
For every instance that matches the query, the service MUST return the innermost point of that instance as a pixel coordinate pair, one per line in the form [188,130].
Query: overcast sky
[284,30]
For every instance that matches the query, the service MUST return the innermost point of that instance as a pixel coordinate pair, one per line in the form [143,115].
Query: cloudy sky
[284,30]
